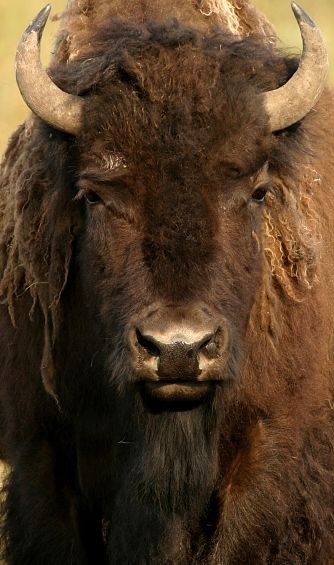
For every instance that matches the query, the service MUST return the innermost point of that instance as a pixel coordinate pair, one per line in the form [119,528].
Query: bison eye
[234,172]
[259,194]
[92,198]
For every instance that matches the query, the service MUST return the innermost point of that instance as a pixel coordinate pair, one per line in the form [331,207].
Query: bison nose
[178,356]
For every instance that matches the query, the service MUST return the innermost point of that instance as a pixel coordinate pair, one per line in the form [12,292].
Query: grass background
[16,14]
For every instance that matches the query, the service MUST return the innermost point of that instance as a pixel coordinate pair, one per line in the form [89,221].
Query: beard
[164,482]
[176,464]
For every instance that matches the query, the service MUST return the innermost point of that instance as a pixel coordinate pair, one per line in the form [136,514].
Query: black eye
[234,172]
[92,198]
[259,194]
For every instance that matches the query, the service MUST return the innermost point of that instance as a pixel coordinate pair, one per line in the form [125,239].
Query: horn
[57,108]
[291,102]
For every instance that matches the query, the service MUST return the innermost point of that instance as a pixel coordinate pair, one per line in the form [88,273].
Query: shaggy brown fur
[174,143]
[236,17]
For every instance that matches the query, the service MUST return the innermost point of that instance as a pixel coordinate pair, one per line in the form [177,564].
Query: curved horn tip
[294,100]
[39,22]
[59,109]
[301,15]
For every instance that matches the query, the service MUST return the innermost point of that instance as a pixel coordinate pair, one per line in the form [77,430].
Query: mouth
[181,395]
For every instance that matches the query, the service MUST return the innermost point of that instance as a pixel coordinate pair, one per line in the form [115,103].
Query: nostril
[205,341]
[208,346]
[211,350]
[148,343]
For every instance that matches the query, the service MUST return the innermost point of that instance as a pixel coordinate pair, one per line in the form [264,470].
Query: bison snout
[177,347]
[177,359]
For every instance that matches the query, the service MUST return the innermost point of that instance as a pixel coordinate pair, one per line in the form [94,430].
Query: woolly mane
[38,219]
[83,17]
[291,242]
[36,224]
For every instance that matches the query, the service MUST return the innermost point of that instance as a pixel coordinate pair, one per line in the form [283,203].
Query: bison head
[173,154]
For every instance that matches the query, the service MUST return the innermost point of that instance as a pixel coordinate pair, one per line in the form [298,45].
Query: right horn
[57,108]
[291,102]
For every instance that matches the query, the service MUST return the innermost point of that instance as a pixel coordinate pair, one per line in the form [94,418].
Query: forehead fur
[162,88]
[83,17]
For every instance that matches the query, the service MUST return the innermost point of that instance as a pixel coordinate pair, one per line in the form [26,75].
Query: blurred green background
[16,14]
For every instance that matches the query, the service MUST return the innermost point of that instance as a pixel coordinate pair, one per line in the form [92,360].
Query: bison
[167,322]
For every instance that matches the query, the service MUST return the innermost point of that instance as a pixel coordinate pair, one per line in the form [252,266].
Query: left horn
[291,102]
[57,108]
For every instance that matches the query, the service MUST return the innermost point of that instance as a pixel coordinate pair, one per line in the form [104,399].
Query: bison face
[174,175]
[170,263]
[173,244]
